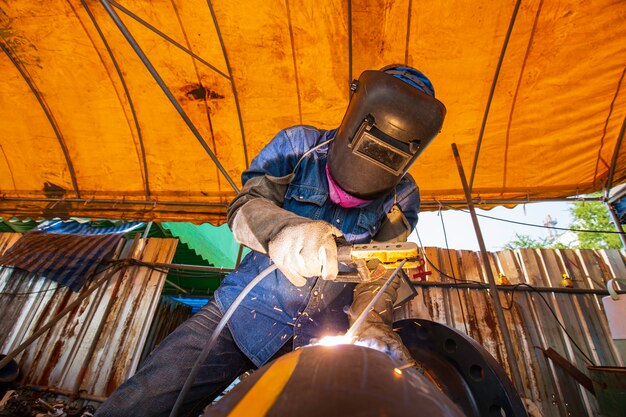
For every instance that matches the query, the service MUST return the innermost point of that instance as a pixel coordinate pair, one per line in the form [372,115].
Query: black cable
[532,225]
[510,306]
[433,266]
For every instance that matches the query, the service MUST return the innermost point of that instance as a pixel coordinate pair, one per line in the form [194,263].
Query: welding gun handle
[361,273]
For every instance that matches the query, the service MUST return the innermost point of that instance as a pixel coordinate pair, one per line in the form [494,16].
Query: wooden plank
[539,379]
[615,261]
[575,397]
[446,268]
[457,297]
[592,311]
[566,394]
[429,304]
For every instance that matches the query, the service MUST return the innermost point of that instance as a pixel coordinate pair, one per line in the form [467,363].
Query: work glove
[376,330]
[306,250]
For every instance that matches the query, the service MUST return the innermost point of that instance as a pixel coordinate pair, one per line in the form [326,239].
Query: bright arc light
[334,340]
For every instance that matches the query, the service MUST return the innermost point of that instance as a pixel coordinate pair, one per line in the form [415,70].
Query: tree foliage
[594,216]
[588,215]
[526,241]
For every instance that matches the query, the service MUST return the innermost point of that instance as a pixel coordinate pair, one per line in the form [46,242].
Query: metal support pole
[147,231]
[493,291]
[616,222]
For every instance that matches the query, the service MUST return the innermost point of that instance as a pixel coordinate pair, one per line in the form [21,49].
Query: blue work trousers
[153,390]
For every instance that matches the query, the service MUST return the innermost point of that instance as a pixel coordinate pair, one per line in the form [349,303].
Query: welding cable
[218,329]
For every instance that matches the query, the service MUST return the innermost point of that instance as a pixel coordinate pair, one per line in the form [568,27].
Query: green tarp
[216,245]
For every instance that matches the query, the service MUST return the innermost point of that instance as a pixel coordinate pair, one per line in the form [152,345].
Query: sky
[460,230]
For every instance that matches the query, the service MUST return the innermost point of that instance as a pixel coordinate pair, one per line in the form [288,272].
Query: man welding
[305,190]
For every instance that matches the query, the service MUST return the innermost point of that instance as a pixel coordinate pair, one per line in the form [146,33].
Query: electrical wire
[510,306]
[532,225]
[439,271]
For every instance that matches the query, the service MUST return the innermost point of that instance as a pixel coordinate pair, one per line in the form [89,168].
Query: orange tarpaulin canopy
[534,91]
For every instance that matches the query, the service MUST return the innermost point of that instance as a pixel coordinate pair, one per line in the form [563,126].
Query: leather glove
[376,330]
[306,250]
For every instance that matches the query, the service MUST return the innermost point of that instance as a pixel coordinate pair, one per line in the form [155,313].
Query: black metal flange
[462,369]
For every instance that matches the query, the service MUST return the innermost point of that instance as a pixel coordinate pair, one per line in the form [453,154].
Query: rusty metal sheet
[56,358]
[530,321]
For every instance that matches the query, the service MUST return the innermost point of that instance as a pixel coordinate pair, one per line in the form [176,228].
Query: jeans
[153,390]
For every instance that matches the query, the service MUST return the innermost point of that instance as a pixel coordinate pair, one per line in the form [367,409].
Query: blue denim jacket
[275,310]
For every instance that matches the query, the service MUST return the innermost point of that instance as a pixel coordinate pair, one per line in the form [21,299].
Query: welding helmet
[392,116]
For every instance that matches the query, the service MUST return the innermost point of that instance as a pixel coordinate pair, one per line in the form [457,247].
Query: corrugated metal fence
[64,354]
[56,359]
[531,323]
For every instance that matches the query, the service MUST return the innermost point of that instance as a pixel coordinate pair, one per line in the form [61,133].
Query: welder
[306,190]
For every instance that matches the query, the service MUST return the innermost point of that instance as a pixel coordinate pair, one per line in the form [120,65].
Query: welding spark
[334,340]
[278,309]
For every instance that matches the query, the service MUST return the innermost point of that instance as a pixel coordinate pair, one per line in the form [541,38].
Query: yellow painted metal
[261,397]
[79,107]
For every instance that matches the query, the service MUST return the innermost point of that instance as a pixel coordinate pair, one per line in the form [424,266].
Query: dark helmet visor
[381,153]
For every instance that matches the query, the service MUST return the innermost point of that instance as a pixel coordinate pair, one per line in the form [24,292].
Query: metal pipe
[618,146]
[616,222]
[480,201]
[167,38]
[492,92]
[423,203]
[86,201]
[147,231]
[133,43]
[232,82]
[239,255]
[506,336]
[178,287]
[521,288]
[58,317]
[189,267]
